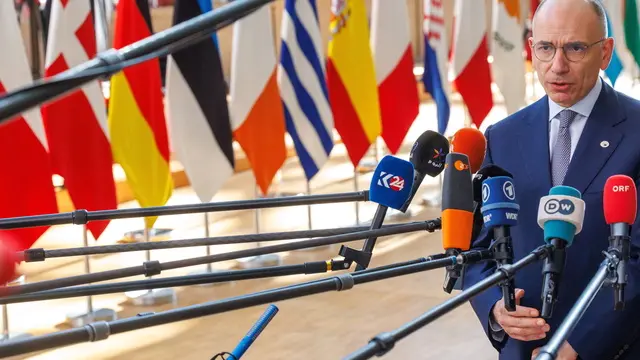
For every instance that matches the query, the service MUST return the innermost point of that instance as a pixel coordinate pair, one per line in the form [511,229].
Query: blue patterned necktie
[562,148]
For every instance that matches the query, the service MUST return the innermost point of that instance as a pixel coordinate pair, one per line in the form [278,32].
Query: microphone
[391,186]
[499,213]
[457,212]
[9,257]
[484,173]
[427,156]
[560,214]
[254,332]
[471,142]
[620,203]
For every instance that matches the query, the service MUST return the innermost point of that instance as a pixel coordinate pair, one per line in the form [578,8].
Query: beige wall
[162,18]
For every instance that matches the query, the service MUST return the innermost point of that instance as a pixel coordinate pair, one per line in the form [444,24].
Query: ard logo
[340,13]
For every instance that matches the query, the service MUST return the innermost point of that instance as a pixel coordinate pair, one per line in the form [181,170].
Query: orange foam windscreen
[471,142]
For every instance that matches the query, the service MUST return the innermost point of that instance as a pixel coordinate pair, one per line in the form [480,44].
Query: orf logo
[564,207]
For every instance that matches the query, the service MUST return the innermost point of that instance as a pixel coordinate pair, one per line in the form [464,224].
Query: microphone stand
[382,343]
[503,252]
[152,268]
[611,272]
[607,271]
[101,330]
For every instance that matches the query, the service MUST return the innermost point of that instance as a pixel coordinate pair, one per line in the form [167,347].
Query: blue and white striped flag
[303,89]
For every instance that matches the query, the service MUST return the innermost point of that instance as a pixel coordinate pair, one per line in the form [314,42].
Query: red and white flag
[76,125]
[393,59]
[27,188]
[472,75]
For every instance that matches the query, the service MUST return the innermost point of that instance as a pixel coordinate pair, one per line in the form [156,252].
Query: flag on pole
[436,61]
[196,107]
[393,59]
[615,15]
[472,76]
[76,124]
[26,180]
[507,48]
[303,88]
[632,28]
[615,65]
[136,114]
[257,117]
[351,78]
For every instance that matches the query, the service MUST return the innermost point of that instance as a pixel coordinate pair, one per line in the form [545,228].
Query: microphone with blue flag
[390,187]
[499,213]
[254,332]
[560,214]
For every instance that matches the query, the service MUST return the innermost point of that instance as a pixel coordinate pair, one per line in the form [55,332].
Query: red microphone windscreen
[471,142]
[620,200]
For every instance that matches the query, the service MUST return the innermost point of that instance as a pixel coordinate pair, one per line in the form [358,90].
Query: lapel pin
[604,144]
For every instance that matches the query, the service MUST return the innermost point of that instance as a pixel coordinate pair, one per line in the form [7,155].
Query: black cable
[39,254]
[81,217]
[152,268]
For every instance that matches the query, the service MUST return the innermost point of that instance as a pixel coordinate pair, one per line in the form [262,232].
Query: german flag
[136,114]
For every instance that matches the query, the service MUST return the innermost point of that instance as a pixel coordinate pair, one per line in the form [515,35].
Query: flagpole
[154,296]
[260,260]
[90,315]
[6,332]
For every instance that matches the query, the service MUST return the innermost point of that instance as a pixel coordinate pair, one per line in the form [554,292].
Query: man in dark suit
[579,134]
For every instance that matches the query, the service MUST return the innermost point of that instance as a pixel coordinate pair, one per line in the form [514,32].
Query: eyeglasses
[573,51]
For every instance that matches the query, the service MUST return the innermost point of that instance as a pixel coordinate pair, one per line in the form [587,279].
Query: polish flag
[472,75]
[393,59]
[76,124]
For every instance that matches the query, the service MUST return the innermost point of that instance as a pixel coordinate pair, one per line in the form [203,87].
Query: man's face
[580,51]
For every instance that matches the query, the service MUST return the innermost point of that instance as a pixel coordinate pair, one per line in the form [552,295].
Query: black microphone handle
[417,181]
[502,235]
[370,242]
[552,271]
[619,245]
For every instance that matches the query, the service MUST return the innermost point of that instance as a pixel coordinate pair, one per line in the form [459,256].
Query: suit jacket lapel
[534,143]
[598,141]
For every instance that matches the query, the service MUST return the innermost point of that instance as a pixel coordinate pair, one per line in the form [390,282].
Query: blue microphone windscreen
[391,182]
[499,205]
[561,213]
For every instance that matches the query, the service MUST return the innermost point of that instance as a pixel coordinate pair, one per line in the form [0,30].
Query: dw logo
[564,207]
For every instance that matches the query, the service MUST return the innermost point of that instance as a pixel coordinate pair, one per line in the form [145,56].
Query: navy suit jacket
[520,145]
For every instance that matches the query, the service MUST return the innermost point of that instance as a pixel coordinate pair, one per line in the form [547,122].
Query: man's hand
[565,352]
[523,323]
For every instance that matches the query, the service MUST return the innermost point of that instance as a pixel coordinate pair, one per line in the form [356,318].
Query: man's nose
[560,64]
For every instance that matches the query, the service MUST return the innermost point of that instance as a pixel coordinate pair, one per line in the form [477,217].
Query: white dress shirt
[582,107]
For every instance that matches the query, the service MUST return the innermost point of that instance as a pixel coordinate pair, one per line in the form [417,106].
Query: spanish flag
[136,114]
[351,78]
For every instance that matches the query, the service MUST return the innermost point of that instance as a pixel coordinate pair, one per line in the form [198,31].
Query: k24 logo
[390,181]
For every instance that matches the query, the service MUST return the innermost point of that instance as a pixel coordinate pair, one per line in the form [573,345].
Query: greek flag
[301,79]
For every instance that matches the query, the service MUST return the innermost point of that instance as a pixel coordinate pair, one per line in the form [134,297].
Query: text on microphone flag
[391,182]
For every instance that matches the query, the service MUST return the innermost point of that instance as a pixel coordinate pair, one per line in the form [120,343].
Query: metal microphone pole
[384,342]
[607,269]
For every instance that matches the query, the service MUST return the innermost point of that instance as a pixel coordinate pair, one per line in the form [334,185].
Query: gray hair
[597,7]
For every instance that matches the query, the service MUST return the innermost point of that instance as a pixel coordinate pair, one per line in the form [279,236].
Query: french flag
[472,74]
[436,56]
[393,58]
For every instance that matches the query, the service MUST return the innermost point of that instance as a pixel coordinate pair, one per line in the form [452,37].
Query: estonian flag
[197,109]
